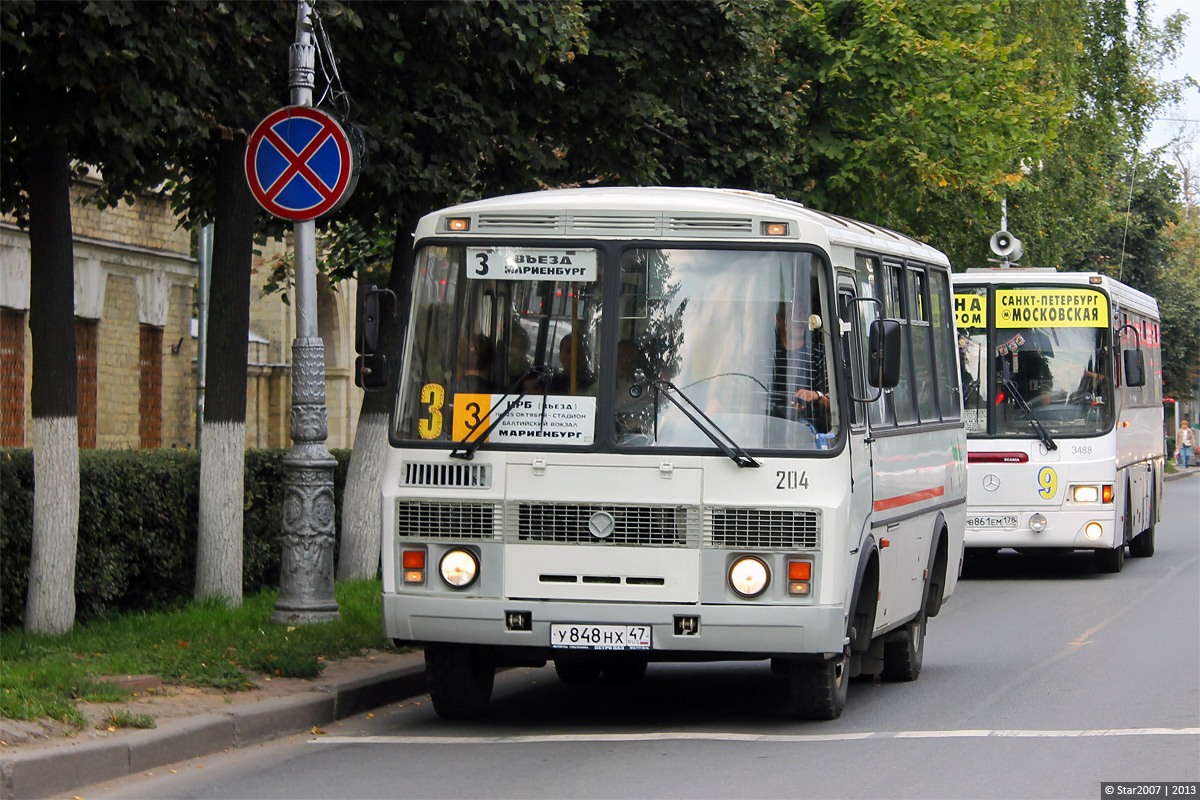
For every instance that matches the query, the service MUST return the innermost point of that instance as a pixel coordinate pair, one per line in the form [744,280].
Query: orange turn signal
[1106,493]
[799,570]
[414,559]
[458,224]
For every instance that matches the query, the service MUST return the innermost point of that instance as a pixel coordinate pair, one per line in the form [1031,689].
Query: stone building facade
[136,335]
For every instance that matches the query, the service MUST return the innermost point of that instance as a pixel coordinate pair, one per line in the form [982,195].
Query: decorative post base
[309,513]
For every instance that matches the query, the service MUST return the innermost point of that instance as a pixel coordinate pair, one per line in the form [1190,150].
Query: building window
[150,393]
[85,357]
[12,378]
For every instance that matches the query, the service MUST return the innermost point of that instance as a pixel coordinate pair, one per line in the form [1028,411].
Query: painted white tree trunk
[358,555]
[219,543]
[50,604]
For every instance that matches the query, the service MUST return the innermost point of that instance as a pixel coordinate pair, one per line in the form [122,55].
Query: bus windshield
[1048,355]
[741,334]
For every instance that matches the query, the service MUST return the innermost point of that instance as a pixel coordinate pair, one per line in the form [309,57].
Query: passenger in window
[576,375]
[799,383]
[475,355]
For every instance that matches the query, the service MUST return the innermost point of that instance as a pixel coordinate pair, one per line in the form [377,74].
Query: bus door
[852,361]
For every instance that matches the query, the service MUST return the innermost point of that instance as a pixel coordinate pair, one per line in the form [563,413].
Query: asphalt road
[1042,678]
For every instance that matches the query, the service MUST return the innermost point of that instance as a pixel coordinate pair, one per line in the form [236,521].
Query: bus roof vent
[711,226]
[515,223]
[450,476]
[617,224]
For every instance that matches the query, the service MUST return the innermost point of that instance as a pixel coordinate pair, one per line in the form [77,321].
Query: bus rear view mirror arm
[1131,360]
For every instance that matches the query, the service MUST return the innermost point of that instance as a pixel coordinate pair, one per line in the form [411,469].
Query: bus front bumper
[744,630]
[1064,529]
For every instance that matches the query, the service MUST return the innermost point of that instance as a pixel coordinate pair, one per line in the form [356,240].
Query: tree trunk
[50,606]
[223,438]
[362,505]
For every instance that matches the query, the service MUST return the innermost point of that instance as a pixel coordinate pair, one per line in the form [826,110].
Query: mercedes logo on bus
[991,482]
[602,524]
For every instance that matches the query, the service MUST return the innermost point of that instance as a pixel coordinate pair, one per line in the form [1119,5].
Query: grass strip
[200,644]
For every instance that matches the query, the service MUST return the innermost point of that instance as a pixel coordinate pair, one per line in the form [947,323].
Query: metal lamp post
[309,513]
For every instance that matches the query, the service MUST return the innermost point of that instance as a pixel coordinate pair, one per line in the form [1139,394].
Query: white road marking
[767,738]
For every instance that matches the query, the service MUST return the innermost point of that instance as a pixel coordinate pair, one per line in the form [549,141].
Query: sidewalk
[1182,473]
[40,768]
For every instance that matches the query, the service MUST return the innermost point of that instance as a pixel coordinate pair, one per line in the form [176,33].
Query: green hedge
[137,527]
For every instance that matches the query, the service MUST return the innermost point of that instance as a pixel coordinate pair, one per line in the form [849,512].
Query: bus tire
[623,673]
[818,688]
[1110,561]
[1142,545]
[577,671]
[904,652]
[460,678]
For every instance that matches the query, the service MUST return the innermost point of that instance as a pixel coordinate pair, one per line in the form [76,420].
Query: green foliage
[137,527]
[1179,298]
[200,644]
[121,718]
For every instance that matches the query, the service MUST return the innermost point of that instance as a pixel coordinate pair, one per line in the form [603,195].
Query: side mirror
[370,307]
[370,368]
[883,353]
[1135,372]
[371,372]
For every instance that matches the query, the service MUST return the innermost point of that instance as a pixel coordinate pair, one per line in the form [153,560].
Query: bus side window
[945,362]
[922,342]
[902,396]
[870,284]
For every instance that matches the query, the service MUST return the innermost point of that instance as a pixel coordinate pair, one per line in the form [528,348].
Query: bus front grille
[762,529]
[465,476]
[424,519]
[603,524]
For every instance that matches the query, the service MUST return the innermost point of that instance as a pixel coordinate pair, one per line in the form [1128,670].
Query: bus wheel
[1142,545]
[577,671]
[1111,561]
[905,652]
[623,673]
[460,678]
[818,688]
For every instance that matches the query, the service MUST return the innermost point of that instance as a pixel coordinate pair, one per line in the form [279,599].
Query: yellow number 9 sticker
[434,397]
[1048,482]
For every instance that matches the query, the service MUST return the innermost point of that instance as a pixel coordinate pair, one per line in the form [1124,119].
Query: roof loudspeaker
[1007,246]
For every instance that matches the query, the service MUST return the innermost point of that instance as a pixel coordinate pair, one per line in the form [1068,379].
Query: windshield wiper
[1033,419]
[732,450]
[472,444]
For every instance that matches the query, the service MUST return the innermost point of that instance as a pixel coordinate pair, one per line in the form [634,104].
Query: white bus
[1062,383]
[625,431]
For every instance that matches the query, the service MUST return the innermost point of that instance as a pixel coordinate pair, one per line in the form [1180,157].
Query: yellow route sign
[971,310]
[1051,308]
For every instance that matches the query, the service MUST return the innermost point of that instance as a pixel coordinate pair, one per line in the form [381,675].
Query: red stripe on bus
[997,458]
[911,497]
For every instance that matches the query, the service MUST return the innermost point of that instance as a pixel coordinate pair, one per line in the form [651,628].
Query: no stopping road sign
[299,163]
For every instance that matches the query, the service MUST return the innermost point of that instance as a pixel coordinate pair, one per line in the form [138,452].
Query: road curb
[1179,475]
[57,770]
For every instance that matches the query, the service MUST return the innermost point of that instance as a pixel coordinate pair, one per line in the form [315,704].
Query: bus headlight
[1093,530]
[1086,494]
[1037,522]
[459,568]
[749,576]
